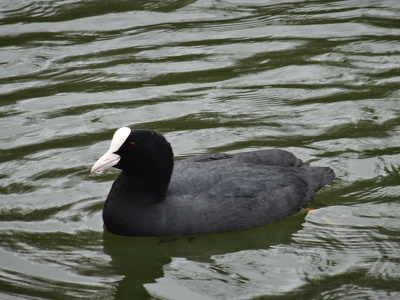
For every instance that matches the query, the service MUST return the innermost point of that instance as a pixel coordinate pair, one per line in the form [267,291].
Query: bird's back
[223,192]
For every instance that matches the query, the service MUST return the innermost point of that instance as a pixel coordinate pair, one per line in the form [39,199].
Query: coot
[208,193]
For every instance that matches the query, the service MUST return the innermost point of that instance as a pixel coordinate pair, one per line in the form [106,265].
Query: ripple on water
[315,257]
[317,78]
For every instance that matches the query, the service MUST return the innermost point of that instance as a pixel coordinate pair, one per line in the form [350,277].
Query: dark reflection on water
[318,78]
[140,260]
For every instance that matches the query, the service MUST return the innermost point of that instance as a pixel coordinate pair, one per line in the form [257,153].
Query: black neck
[146,188]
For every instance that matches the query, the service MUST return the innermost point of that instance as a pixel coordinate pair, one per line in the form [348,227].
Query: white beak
[106,161]
[110,158]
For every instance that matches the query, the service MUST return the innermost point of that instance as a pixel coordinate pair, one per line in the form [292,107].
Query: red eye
[131,144]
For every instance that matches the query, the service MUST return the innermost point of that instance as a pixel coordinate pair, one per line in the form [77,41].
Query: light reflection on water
[317,78]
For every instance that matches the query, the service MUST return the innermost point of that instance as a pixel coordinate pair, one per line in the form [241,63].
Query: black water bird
[208,193]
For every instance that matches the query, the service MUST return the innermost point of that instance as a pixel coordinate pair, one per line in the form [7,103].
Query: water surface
[317,78]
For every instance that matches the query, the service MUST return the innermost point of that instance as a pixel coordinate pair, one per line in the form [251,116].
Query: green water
[317,78]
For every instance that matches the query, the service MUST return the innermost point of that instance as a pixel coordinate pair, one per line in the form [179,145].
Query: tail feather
[320,176]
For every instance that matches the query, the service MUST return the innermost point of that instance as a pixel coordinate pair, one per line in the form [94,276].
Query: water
[318,78]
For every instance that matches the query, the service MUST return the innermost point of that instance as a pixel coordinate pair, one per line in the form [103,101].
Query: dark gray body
[217,193]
